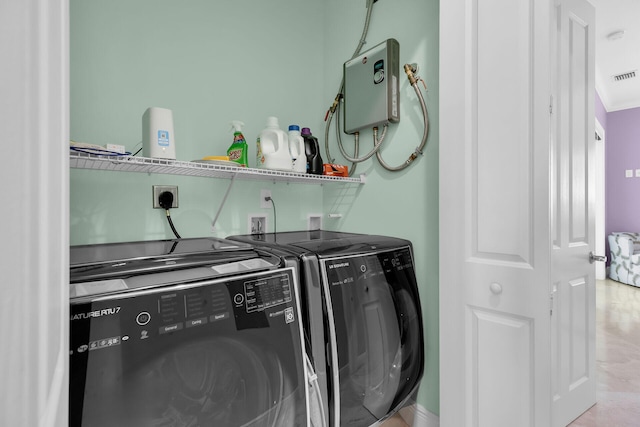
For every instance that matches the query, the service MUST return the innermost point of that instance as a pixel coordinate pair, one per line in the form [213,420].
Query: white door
[494,213]
[34,119]
[496,207]
[573,216]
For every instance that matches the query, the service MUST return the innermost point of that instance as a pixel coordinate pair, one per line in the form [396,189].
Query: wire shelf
[210,170]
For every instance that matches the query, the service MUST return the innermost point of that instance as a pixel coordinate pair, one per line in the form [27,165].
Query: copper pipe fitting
[409,70]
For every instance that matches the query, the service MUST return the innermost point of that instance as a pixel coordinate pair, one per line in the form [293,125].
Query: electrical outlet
[264,203]
[159,189]
[257,224]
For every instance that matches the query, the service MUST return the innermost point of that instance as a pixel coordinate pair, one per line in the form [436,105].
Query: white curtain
[34,130]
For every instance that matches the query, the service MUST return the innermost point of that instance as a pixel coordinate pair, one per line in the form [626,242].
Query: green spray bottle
[238,150]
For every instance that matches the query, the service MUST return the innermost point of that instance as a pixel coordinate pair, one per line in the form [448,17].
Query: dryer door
[376,328]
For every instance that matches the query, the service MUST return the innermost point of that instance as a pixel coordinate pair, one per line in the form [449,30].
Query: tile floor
[395,421]
[617,358]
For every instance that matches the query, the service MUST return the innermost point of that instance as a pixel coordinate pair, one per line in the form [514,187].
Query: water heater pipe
[410,70]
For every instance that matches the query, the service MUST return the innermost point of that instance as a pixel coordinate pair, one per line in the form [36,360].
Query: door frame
[601,238]
[34,44]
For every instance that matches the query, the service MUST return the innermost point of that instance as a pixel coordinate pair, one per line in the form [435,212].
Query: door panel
[503,346]
[495,244]
[573,186]
[502,137]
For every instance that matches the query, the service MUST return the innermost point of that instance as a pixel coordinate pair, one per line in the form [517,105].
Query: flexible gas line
[376,146]
[413,80]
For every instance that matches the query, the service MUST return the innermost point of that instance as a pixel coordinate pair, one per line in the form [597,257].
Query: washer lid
[153,249]
[128,259]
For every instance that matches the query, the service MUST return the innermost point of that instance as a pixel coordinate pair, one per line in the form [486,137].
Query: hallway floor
[617,357]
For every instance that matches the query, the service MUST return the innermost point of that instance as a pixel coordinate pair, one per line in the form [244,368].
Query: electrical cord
[139,149]
[166,202]
[275,218]
[315,396]
[99,151]
[173,228]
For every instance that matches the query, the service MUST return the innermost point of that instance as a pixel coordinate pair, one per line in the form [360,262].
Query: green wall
[213,62]
[210,63]
[402,204]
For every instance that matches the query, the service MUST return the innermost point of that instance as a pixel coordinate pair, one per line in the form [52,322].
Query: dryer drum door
[374,368]
[377,330]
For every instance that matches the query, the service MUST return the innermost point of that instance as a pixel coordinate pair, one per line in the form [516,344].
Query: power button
[143,318]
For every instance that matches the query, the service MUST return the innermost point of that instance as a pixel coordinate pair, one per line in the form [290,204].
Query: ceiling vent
[624,76]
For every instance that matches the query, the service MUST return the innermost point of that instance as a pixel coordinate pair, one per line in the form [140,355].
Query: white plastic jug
[274,145]
[296,149]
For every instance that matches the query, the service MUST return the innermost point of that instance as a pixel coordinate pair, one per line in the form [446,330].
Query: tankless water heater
[371,94]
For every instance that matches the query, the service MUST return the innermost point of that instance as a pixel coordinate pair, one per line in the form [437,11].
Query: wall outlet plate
[159,189]
[264,203]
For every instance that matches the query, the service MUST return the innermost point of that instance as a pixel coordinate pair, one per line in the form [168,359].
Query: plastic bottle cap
[272,122]
[294,127]
[306,131]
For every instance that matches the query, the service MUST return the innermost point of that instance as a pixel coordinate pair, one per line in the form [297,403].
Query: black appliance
[361,310]
[189,332]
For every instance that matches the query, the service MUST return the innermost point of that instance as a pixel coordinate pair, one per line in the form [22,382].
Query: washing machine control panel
[267,292]
[234,303]
[148,345]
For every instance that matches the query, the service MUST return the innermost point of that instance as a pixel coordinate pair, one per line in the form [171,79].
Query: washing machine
[188,332]
[363,318]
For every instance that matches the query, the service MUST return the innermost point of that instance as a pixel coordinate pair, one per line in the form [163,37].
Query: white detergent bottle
[296,148]
[274,146]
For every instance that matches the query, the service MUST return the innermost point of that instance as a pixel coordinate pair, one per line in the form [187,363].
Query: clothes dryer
[190,332]
[370,325]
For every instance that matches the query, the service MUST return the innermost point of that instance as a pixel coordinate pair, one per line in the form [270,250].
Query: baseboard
[418,416]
